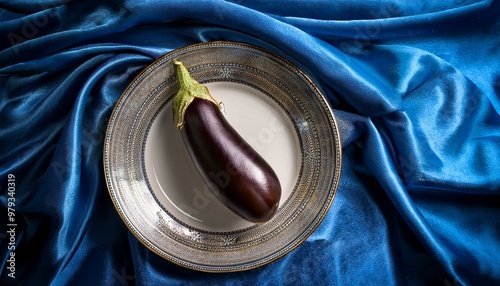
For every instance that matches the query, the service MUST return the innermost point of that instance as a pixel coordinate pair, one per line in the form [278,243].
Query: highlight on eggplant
[233,171]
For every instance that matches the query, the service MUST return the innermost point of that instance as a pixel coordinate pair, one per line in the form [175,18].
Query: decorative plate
[161,197]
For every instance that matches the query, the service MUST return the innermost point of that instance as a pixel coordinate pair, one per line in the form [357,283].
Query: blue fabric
[415,88]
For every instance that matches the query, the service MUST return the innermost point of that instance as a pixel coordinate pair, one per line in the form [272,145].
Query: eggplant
[233,171]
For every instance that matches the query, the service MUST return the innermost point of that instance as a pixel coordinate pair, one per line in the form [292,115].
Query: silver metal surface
[172,239]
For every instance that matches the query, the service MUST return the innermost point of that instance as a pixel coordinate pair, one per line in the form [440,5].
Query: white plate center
[175,181]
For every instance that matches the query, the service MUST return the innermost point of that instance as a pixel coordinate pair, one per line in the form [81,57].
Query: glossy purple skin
[237,175]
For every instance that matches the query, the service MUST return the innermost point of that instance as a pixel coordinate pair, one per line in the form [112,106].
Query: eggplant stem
[189,89]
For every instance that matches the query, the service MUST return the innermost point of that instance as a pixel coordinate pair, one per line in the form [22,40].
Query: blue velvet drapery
[415,88]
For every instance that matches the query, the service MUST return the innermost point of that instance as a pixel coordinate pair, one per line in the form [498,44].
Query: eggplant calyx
[189,90]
